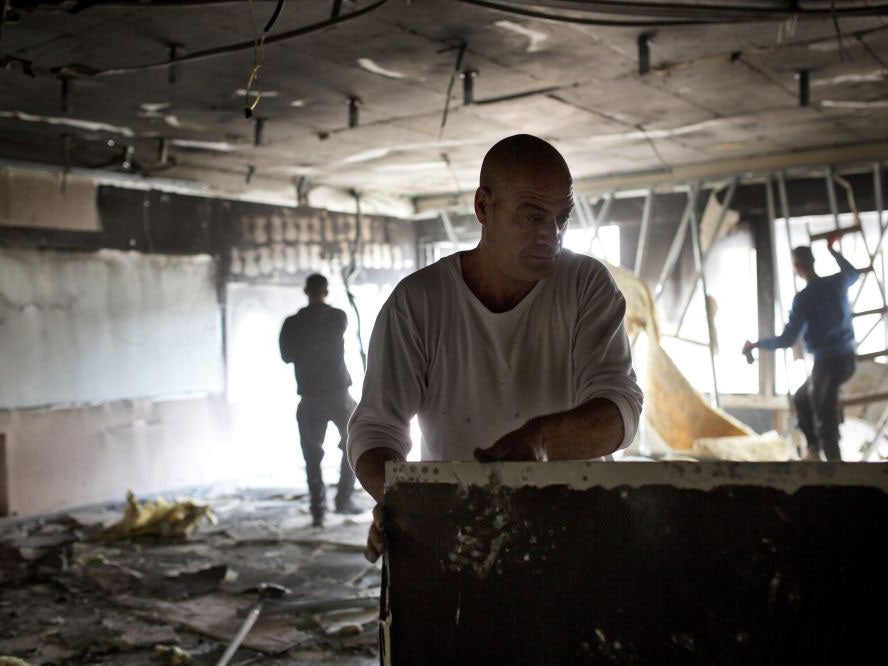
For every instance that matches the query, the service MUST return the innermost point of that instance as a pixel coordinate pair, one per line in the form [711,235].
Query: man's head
[803,261]
[316,288]
[524,200]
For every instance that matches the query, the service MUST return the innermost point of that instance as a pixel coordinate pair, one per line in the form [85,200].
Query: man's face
[524,220]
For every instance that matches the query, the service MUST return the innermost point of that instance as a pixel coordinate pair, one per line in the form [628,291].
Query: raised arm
[846,268]
[393,385]
[379,429]
[794,327]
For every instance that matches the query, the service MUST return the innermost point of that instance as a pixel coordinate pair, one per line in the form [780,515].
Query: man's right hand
[376,538]
[370,470]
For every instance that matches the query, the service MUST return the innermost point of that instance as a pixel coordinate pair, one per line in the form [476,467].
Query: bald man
[514,350]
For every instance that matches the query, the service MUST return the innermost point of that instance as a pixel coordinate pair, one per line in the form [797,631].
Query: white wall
[90,327]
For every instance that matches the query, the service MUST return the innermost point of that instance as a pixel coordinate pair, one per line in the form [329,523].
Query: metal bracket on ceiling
[163,151]
[258,130]
[65,101]
[354,103]
[174,51]
[468,79]
[301,191]
[804,77]
[644,52]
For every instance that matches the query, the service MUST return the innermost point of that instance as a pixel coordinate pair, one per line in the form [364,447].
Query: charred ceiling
[404,97]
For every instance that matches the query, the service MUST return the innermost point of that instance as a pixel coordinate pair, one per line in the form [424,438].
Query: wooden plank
[841,231]
[216,615]
[864,399]
[872,355]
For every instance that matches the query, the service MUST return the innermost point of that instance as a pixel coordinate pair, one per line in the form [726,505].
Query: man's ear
[482,204]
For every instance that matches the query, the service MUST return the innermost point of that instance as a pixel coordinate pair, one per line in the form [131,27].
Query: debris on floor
[161,517]
[82,588]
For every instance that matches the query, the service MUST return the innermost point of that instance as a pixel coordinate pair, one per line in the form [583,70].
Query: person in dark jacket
[822,313]
[312,340]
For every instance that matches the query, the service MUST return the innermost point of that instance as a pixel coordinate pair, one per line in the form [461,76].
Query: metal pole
[772,216]
[868,333]
[873,446]
[833,204]
[784,210]
[675,248]
[643,234]
[883,231]
[718,225]
[870,255]
[448,229]
[585,211]
[698,263]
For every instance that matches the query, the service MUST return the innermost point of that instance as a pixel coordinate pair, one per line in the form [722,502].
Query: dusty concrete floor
[70,594]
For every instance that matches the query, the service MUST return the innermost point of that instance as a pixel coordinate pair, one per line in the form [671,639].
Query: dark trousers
[312,415]
[817,404]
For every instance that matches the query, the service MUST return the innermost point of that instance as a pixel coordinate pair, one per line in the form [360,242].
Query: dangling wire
[349,271]
[258,58]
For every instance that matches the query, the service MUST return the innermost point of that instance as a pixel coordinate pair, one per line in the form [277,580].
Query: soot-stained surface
[648,575]
[73,593]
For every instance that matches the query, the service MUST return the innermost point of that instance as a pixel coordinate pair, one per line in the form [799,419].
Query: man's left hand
[524,444]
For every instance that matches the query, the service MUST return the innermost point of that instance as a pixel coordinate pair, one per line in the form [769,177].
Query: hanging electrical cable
[453,75]
[258,62]
[349,272]
[206,54]
[258,57]
[639,13]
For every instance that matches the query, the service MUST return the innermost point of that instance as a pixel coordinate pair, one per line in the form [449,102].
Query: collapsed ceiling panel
[360,101]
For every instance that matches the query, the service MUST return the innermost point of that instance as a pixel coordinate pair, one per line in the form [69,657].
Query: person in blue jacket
[822,313]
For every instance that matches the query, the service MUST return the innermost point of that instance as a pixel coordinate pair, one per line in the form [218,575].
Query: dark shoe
[348,507]
[317,518]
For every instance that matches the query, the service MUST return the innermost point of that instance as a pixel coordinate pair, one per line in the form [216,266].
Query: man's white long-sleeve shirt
[472,375]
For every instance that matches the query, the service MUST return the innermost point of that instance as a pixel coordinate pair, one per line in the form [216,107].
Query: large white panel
[79,328]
